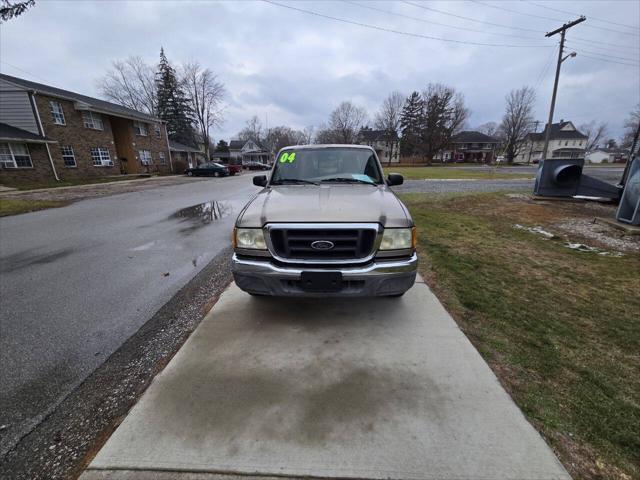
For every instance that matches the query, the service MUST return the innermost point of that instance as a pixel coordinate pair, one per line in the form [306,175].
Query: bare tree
[308,134]
[630,127]
[252,131]
[205,93]
[489,128]
[388,119]
[9,10]
[345,122]
[595,133]
[283,136]
[131,83]
[443,115]
[517,120]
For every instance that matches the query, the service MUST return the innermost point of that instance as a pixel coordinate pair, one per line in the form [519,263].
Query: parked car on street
[325,223]
[211,169]
[256,166]
[233,169]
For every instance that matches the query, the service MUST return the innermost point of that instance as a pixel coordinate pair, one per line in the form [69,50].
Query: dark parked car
[210,169]
[256,166]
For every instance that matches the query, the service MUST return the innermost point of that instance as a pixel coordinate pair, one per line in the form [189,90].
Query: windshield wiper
[283,181]
[347,180]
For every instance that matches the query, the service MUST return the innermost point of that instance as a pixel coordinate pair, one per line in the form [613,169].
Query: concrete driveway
[382,388]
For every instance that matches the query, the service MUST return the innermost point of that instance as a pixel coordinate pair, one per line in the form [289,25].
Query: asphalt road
[78,281]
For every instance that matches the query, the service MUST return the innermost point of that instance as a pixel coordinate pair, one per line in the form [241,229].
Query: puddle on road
[202,214]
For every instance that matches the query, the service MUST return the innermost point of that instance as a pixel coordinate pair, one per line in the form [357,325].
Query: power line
[24,71]
[471,19]
[549,18]
[635,27]
[605,50]
[457,27]
[607,60]
[545,70]
[594,42]
[606,54]
[399,32]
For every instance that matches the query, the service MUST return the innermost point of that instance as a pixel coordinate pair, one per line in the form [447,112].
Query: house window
[161,159]
[101,157]
[145,157]
[158,131]
[57,113]
[15,155]
[92,120]
[68,156]
[140,128]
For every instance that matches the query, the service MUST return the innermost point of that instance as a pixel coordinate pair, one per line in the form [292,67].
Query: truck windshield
[326,165]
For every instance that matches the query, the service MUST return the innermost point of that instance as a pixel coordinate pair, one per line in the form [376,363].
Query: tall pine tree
[173,106]
[411,124]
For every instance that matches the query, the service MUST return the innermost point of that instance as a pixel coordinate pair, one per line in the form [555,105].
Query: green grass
[561,329]
[14,206]
[440,173]
[69,183]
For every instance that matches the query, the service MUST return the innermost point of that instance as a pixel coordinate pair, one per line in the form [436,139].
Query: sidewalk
[371,388]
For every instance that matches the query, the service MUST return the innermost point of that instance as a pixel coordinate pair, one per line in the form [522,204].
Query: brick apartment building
[51,134]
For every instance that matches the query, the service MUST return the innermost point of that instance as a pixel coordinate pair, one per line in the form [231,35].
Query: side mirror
[395,179]
[260,180]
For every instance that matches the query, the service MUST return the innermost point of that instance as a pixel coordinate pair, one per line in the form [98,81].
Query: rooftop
[472,136]
[96,103]
[10,133]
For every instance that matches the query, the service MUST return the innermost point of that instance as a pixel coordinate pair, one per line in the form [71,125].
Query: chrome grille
[348,243]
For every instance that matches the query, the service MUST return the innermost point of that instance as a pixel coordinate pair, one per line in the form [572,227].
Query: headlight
[398,238]
[249,238]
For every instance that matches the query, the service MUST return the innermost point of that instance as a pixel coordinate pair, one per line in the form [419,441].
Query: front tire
[189,174]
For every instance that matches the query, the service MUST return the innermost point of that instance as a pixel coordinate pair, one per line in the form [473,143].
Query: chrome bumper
[378,278]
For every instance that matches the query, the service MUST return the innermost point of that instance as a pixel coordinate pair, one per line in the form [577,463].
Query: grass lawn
[560,328]
[439,173]
[71,183]
[15,206]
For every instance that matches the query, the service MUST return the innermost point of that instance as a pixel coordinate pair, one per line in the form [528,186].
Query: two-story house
[242,152]
[387,147]
[565,141]
[47,133]
[470,147]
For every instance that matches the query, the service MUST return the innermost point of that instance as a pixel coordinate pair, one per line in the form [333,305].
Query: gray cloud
[293,68]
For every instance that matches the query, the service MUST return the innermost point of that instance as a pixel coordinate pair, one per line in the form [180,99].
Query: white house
[565,142]
[241,152]
[607,155]
[387,149]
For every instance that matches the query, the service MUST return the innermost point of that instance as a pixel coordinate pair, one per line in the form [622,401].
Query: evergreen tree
[411,124]
[222,146]
[173,106]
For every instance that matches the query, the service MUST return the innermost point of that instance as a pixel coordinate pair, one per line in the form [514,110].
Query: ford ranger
[325,223]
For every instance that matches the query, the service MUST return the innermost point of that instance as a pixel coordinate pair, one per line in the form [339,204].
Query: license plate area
[321,281]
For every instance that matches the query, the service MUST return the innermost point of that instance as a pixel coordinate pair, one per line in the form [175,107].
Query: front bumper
[378,278]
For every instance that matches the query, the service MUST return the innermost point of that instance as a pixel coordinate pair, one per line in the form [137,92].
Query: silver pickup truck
[326,223]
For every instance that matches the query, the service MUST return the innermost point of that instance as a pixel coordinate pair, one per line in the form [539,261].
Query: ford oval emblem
[322,245]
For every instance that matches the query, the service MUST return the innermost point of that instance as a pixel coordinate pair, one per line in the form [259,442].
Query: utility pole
[562,30]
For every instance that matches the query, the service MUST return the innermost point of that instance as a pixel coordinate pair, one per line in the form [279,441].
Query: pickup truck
[324,224]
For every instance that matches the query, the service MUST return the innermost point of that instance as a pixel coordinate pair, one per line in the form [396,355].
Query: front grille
[349,243]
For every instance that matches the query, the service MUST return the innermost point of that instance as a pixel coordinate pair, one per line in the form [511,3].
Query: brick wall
[153,143]
[41,171]
[76,135]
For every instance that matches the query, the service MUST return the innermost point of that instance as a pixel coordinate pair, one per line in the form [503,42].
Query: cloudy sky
[292,68]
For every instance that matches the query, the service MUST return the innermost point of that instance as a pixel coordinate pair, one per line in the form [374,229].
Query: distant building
[607,155]
[242,152]
[565,142]
[387,149]
[470,147]
[47,133]
[185,156]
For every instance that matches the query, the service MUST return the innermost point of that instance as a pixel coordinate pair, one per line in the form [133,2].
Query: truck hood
[325,203]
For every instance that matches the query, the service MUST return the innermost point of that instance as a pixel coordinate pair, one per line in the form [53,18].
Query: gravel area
[603,235]
[63,444]
[461,186]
